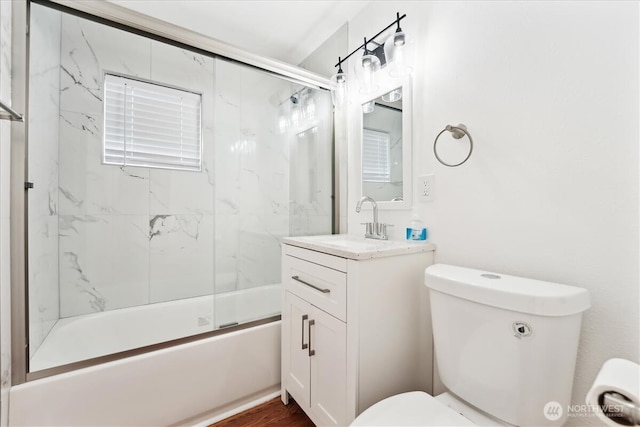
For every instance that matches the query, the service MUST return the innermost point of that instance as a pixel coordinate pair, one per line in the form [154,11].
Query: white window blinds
[376,165]
[151,125]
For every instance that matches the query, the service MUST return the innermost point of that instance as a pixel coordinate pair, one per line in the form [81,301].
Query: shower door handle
[304,346]
[311,323]
[298,279]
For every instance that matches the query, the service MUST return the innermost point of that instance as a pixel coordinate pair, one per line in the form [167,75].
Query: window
[151,125]
[376,165]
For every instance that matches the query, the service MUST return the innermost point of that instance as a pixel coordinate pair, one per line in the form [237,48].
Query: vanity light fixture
[339,91]
[398,50]
[369,64]
[393,96]
[368,107]
[396,54]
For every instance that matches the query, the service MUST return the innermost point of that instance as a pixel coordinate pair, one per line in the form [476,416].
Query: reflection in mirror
[382,177]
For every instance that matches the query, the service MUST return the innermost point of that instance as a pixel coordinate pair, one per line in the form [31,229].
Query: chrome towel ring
[457,132]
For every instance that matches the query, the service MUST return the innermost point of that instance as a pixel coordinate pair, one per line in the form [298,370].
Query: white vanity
[355,323]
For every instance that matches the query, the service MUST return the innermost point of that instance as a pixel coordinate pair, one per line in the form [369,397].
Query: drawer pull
[311,323]
[304,317]
[298,279]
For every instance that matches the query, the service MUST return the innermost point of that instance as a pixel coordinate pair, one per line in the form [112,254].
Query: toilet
[505,348]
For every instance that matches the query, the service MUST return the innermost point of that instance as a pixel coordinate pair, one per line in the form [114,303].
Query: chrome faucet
[374,230]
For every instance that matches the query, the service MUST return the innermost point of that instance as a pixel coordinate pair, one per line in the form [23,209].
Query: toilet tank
[507,345]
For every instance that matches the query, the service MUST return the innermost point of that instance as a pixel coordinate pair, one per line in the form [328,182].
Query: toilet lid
[415,408]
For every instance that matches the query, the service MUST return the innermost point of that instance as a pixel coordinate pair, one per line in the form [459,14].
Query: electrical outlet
[425,193]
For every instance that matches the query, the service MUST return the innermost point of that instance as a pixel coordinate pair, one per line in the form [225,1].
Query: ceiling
[287,30]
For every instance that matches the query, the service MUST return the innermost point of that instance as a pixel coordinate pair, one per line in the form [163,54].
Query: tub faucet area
[374,230]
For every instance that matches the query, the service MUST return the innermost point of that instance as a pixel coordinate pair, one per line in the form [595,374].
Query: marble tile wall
[44,112]
[5,258]
[252,177]
[309,140]
[128,235]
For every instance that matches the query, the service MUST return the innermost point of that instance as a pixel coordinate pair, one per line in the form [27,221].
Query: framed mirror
[385,145]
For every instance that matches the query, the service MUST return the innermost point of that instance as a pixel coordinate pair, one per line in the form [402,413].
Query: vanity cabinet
[355,324]
[317,364]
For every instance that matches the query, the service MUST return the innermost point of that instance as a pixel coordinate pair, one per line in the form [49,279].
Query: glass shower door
[274,145]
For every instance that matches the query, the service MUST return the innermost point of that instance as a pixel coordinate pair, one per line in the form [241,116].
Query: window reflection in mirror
[382,177]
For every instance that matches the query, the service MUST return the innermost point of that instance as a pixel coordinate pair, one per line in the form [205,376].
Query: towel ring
[457,132]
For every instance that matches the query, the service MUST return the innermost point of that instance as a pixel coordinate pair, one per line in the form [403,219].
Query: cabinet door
[328,342]
[297,313]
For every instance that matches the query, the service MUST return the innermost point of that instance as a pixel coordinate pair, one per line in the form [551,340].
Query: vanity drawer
[323,287]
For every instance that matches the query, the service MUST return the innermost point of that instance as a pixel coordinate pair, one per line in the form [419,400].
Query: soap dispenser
[416,229]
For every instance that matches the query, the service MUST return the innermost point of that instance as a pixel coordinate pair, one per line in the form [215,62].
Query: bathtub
[92,335]
[192,383]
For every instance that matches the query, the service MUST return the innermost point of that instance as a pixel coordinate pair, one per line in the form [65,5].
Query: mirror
[386,146]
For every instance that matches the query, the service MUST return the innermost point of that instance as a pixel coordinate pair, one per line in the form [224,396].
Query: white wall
[5,168]
[549,92]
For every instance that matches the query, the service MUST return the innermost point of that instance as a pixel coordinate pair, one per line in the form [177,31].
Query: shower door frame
[115,16]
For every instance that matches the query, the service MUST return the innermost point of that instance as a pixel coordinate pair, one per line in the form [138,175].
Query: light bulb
[398,50]
[368,107]
[393,96]
[369,65]
[339,91]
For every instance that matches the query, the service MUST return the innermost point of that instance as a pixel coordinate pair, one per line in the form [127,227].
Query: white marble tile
[43,278]
[181,192]
[86,185]
[228,192]
[88,50]
[228,87]
[319,225]
[258,259]
[43,161]
[226,247]
[104,262]
[44,68]
[182,68]
[181,256]
[43,172]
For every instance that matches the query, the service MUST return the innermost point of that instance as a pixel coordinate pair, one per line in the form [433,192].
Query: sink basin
[356,247]
[352,242]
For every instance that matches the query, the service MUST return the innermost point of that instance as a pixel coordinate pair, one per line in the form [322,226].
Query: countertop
[354,247]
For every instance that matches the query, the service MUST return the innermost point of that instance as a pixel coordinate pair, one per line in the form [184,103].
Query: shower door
[141,232]
[274,144]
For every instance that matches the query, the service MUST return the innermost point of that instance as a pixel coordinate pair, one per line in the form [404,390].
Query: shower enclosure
[163,179]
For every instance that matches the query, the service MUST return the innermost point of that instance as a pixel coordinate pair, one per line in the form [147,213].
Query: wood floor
[272,414]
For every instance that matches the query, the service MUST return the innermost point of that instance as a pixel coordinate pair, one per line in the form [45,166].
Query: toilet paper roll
[616,375]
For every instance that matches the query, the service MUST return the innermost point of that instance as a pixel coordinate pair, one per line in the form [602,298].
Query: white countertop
[354,247]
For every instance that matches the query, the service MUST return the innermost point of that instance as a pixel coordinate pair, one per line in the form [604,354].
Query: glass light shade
[398,50]
[368,107]
[339,91]
[310,108]
[393,96]
[366,71]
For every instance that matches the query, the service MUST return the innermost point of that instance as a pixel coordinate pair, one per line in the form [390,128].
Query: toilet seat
[415,408]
